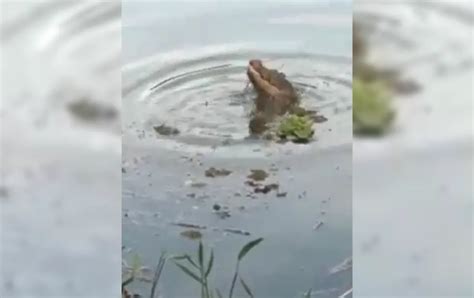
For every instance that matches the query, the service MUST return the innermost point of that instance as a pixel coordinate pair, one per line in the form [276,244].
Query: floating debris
[281,194]
[213,172]
[88,110]
[258,175]
[237,231]
[343,266]
[223,214]
[198,184]
[266,188]
[216,207]
[165,130]
[252,183]
[318,225]
[191,234]
[188,225]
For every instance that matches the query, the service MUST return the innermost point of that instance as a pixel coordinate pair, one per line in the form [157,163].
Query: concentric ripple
[208,98]
[56,53]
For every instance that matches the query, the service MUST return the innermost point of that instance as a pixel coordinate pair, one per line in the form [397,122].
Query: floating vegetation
[372,111]
[298,129]
[266,188]
[191,234]
[165,130]
[135,271]
[199,269]
[213,172]
[257,175]
[88,110]
[313,115]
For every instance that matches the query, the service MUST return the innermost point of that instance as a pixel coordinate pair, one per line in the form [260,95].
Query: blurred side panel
[60,149]
[412,185]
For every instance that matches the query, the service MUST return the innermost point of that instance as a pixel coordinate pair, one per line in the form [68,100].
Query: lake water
[184,65]
[60,174]
[412,189]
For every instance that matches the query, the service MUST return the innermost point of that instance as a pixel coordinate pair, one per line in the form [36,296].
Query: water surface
[186,68]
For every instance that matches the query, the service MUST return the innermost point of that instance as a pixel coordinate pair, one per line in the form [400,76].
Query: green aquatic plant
[372,111]
[199,269]
[136,271]
[203,271]
[296,128]
[243,252]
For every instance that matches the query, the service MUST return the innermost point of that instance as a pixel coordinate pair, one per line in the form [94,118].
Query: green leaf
[201,254]
[246,288]
[187,258]
[189,272]
[247,247]
[179,257]
[128,280]
[209,266]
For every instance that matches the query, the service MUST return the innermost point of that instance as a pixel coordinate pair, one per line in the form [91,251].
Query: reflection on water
[186,69]
[60,156]
[413,188]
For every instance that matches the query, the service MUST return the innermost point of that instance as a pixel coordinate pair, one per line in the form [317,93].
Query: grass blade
[201,255]
[189,272]
[247,247]
[209,266]
[187,258]
[128,280]
[246,288]
[234,279]
[156,278]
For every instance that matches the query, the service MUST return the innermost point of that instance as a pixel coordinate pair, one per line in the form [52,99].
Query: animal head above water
[268,82]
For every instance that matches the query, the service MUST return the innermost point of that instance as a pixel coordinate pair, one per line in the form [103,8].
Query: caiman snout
[275,93]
